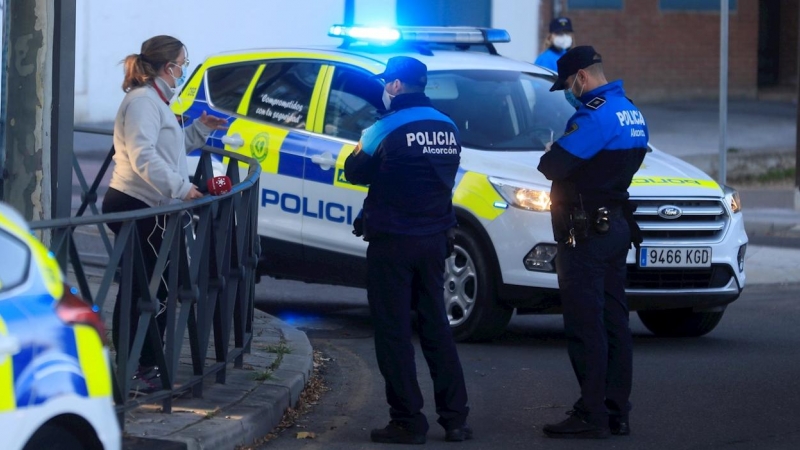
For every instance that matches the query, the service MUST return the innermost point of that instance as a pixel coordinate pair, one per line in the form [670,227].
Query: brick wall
[668,55]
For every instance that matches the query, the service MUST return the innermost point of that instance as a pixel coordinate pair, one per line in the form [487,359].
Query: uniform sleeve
[142,125]
[196,135]
[583,139]
[360,167]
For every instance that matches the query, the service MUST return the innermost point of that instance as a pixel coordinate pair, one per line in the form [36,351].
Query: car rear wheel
[470,292]
[53,436]
[680,322]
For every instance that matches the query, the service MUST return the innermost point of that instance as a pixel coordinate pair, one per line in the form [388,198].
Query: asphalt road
[736,388]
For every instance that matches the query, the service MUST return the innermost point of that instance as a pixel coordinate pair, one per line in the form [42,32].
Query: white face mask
[562,41]
[387,99]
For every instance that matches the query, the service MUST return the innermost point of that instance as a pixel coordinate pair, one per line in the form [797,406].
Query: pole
[797,132]
[723,91]
[349,12]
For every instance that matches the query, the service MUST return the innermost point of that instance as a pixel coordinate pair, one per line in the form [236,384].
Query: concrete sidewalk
[247,407]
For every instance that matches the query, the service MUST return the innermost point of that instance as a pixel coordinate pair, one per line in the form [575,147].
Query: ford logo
[669,212]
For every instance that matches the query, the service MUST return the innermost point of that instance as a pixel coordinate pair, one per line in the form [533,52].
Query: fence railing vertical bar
[201,296]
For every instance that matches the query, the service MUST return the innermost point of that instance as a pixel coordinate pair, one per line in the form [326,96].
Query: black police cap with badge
[574,60]
[406,69]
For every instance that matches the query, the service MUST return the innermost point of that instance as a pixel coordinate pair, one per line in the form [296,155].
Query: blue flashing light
[441,35]
[384,35]
[496,35]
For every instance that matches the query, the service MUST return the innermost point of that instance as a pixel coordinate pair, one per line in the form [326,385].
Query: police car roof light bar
[436,35]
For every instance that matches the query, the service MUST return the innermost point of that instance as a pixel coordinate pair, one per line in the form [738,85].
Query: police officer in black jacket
[409,159]
[591,167]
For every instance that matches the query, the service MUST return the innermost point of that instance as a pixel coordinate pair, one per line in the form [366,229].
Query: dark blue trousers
[591,280]
[406,273]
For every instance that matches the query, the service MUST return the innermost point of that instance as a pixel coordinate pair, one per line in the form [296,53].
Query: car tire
[57,437]
[680,322]
[470,292]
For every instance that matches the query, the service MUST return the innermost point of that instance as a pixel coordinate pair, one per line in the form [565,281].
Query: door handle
[325,160]
[235,141]
[9,346]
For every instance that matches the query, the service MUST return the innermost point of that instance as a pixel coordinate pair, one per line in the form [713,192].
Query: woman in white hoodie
[150,167]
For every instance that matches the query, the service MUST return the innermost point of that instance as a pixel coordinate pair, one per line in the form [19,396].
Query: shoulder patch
[572,128]
[596,103]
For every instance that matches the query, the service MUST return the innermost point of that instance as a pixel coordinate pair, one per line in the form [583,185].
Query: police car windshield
[500,110]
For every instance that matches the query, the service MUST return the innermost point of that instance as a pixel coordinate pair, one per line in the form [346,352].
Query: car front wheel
[680,322]
[470,292]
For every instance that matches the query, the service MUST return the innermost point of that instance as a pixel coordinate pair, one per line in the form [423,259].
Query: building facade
[670,49]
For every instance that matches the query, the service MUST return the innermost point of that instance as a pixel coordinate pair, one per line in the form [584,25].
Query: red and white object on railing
[219,185]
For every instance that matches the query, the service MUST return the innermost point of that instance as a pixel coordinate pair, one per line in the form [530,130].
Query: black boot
[575,427]
[619,425]
[458,434]
[397,433]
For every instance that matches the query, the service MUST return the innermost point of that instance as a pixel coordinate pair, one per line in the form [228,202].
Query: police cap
[561,25]
[406,69]
[574,60]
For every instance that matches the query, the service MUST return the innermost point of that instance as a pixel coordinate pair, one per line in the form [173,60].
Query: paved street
[735,388]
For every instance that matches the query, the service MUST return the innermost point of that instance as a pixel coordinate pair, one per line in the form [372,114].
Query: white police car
[55,382]
[300,112]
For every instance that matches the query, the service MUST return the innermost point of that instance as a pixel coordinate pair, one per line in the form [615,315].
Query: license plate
[675,257]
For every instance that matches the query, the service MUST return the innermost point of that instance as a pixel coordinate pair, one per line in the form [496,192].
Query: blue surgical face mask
[572,99]
[181,79]
[570,96]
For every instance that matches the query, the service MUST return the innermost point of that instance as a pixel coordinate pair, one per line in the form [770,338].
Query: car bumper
[516,232]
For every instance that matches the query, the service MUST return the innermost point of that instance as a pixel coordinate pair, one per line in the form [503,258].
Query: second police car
[300,112]
[55,380]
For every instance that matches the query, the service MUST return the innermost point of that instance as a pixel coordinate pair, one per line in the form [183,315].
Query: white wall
[521,19]
[109,30]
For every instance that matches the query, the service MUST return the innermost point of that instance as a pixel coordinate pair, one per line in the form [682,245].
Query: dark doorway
[769,42]
[477,13]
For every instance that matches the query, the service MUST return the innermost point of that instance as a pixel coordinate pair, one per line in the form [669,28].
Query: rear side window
[500,110]
[227,85]
[14,263]
[283,93]
[353,103]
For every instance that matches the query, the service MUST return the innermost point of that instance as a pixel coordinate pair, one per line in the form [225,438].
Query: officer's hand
[547,146]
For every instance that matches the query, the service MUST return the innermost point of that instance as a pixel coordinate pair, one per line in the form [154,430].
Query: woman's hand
[193,194]
[213,122]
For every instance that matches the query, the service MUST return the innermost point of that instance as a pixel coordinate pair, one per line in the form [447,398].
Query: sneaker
[462,433]
[146,380]
[619,426]
[396,433]
[575,427]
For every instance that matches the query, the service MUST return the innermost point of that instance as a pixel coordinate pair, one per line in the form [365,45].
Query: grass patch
[263,375]
[777,174]
[280,349]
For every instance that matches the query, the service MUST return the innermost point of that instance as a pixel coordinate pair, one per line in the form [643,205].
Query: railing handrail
[252,178]
[210,273]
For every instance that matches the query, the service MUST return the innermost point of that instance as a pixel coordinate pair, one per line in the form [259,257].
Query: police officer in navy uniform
[409,159]
[591,167]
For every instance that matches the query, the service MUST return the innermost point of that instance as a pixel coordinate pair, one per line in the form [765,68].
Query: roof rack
[461,37]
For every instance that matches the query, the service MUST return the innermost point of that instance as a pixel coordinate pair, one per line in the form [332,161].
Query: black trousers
[150,237]
[591,280]
[406,273]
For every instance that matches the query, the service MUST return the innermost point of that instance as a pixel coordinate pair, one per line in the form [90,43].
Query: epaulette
[596,103]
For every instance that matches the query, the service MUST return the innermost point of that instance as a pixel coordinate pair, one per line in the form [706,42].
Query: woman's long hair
[143,67]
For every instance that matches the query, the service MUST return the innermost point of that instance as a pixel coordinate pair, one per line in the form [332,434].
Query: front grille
[716,276]
[701,220]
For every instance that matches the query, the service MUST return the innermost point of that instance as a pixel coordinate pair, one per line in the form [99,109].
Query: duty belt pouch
[579,223]
[561,224]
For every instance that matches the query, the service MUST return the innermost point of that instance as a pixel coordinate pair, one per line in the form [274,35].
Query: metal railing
[207,264]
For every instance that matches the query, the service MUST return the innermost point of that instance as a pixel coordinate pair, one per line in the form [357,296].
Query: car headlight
[532,198]
[732,198]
